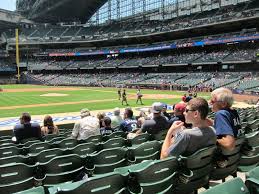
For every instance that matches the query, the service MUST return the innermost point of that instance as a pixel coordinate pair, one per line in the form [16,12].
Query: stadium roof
[64,11]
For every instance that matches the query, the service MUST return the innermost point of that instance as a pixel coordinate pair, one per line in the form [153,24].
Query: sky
[8,4]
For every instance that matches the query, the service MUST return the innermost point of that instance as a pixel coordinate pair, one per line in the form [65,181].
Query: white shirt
[116,121]
[86,127]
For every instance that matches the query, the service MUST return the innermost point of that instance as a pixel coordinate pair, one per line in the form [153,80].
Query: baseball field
[42,100]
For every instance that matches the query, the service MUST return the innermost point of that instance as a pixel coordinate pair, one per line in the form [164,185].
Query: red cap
[180,107]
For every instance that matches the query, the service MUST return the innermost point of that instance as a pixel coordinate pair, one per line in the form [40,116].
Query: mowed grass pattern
[105,98]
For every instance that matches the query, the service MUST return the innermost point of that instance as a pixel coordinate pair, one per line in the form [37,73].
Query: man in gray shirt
[157,124]
[181,141]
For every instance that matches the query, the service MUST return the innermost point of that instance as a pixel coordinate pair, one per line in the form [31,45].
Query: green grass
[87,94]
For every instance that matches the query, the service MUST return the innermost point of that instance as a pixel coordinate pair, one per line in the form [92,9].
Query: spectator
[26,129]
[178,113]
[48,126]
[184,98]
[179,141]
[87,126]
[157,123]
[129,123]
[100,116]
[164,113]
[106,130]
[227,121]
[116,119]
[188,98]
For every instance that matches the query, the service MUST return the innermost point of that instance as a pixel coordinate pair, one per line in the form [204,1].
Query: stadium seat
[16,177]
[94,139]
[114,142]
[107,183]
[226,162]
[194,170]
[146,151]
[16,159]
[233,186]
[160,136]
[106,160]
[114,135]
[252,180]
[10,151]
[60,169]
[46,155]
[84,149]
[36,190]
[67,143]
[140,139]
[37,147]
[153,176]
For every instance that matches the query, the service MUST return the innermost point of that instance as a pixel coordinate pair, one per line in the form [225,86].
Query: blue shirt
[227,122]
[128,125]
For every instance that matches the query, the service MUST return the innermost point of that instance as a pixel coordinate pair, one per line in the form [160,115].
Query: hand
[175,127]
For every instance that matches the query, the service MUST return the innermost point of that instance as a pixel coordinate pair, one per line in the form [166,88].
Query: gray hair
[116,111]
[224,95]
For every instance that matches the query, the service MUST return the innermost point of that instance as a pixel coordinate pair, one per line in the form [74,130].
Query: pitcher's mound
[54,94]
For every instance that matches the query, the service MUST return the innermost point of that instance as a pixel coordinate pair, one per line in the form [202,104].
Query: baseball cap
[84,112]
[180,107]
[116,111]
[157,107]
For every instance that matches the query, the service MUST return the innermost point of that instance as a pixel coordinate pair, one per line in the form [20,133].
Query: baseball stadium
[129,96]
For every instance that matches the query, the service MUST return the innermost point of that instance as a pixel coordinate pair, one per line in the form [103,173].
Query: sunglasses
[187,110]
[214,101]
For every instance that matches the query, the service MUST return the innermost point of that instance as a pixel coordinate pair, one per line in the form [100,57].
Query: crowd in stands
[188,130]
[55,33]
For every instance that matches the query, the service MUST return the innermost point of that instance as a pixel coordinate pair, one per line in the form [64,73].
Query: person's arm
[75,130]
[228,142]
[168,139]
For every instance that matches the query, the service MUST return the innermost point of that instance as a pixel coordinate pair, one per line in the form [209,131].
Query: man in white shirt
[87,126]
[116,118]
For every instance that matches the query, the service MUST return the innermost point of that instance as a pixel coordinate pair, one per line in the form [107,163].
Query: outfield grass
[87,94]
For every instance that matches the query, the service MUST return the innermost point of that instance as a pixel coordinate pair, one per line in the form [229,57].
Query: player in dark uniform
[124,98]
[119,94]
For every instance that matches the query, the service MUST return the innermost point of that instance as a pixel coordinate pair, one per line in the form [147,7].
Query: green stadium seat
[35,190]
[60,169]
[95,139]
[234,186]
[67,143]
[140,139]
[16,177]
[194,170]
[146,151]
[114,142]
[10,151]
[46,155]
[160,136]
[231,160]
[84,149]
[16,159]
[106,160]
[107,183]
[153,176]
[252,180]
[38,147]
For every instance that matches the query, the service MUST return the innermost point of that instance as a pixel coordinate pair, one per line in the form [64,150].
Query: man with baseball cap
[157,123]
[87,126]
[178,113]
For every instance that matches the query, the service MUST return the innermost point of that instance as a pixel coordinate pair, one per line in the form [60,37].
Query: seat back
[140,139]
[114,142]
[67,143]
[195,170]
[233,186]
[109,159]
[156,177]
[38,147]
[47,155]
[84,149]
[9,151]
[146,151]
[230,158]
[94,139]
[108,183]
[15,177]
[61,169]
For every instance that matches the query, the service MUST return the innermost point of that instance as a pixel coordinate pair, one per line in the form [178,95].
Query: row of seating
[172,175]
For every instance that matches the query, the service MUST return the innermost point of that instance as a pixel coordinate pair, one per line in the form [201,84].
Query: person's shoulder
[222,112]
[18,126]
